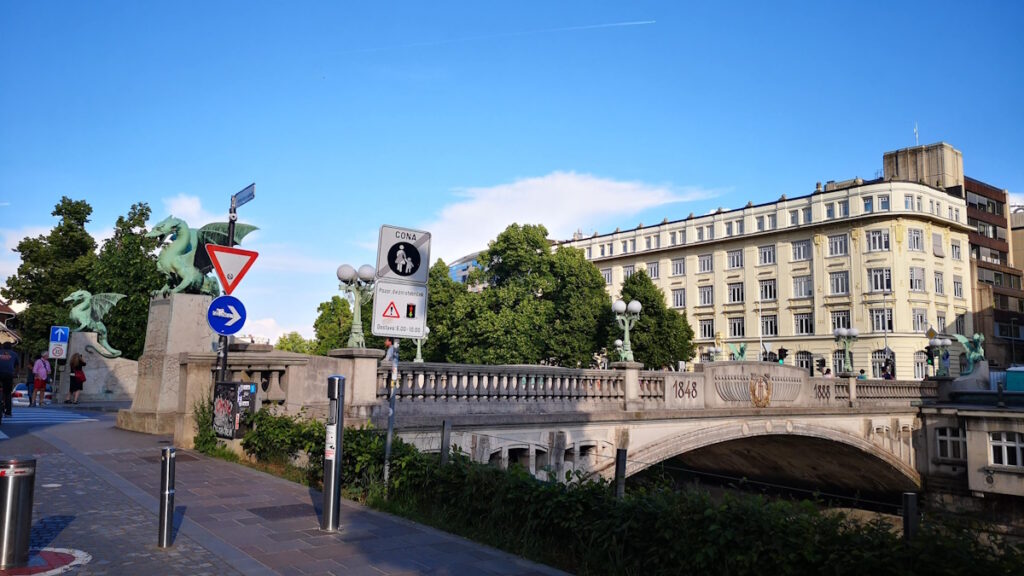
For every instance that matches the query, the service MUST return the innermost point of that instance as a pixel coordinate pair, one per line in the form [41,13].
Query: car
[20,397]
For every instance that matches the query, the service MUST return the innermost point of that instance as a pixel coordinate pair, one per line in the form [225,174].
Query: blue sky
[462,117]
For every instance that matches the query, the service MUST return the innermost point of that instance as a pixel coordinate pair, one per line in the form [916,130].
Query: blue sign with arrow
[226,315]
[59,333]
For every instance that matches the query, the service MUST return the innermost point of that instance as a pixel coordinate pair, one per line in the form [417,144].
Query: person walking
[77,378]
[8,364]
[41,372]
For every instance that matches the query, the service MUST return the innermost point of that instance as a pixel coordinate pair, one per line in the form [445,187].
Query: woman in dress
[77,378]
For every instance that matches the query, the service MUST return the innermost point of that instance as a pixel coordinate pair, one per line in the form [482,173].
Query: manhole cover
[284,512]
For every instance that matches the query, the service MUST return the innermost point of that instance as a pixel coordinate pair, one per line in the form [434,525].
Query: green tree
[127,265]
[447,302]
[332,325]
[582,309]
[294,342]
[662,336]
[52,266]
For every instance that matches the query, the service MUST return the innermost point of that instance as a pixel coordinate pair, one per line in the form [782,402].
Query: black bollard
[446,440]
[332,453]
[910,516]
[620,473]
[166,497]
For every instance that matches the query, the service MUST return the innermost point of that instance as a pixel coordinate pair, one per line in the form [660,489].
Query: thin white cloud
[9,238]
[190,209]
[562,201]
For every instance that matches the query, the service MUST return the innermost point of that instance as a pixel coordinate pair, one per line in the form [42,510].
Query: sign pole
[391,417]
[222,343]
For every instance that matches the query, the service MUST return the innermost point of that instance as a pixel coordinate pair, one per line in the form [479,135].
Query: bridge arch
[897,473]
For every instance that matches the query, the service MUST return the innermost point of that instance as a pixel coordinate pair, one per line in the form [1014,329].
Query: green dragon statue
[88,312]
[184,260]
[740,352]
[975,350]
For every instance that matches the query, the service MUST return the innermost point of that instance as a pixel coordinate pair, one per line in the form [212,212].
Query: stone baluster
[503,386]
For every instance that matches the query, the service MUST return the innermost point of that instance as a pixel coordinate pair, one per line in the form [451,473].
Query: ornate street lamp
[939,349]
[358,285]
[626,317]
[846,336]
[715,351]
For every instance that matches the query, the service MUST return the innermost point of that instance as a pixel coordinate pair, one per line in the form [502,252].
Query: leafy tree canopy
[662,336]
[294,342]
[332,325]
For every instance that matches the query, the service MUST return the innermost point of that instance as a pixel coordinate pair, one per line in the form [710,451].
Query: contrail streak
[501,35]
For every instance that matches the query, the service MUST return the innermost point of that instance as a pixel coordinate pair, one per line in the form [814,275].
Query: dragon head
[169,226]
[78,296]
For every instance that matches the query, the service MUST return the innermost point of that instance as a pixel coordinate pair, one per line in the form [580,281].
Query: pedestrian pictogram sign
[403,255]
[231,264]
[390,299]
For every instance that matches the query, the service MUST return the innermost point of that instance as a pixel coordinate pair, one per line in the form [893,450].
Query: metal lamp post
[715,352]
[419,345]
[939,347]
[846,336]
[359,285]
[626,315]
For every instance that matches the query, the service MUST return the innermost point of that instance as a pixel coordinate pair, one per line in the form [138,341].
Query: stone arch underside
[808,454]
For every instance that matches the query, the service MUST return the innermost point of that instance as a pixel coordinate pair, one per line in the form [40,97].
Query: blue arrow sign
[226,315]
[59,333]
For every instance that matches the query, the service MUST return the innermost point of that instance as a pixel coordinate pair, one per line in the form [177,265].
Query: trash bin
[17,488]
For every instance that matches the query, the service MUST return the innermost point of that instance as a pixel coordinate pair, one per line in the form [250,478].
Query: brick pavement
[245,521]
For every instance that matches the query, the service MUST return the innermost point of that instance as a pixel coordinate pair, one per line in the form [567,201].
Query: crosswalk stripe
[3,436]
[45,416]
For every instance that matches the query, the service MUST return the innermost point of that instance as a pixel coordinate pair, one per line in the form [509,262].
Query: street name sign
[231,264]
[59,342]
[226,315]
[245,195]
[403,255]
[399,310]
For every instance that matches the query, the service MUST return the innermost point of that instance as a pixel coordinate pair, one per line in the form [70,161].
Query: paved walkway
[96,492]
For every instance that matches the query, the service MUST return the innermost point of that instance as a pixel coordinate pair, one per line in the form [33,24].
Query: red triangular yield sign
[230,263]
[391,311]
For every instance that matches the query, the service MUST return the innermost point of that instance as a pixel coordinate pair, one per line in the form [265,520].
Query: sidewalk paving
[229,519]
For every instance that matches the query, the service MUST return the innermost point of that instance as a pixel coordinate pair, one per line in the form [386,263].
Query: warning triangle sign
[231,264]
[391,311]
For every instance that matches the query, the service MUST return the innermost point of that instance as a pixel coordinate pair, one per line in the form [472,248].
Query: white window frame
[766,255]
[803,323]
[627,271]
[770,288]
[915,239]
[880,318]
[958,286]
[705,263]
[940,283]
[679,267]
[706,295]
[769,325]
[919,319]
[607,274]
[878,241]
[707,327]
[880,279]
[839,283]
[737,327]
[734,259]
[801,250]
[803,286]
[736,292]
[916,279]
[1007,449]
[839,245]
[951,443]
[679,297]
[840,319]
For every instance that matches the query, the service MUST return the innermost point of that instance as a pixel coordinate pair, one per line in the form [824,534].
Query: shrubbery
[579,526]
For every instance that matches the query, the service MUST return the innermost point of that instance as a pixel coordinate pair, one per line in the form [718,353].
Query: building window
[956,214]
[920,365]
[951,442]
[961,324]
[707,295]
[705,263]
[625,247]
[770,325]
[840,319]
[880,279]
[838,361]
[883,203]
[940,322]
[805,360]
[830,211]
[707,328]
[771,222]
[844,208]
[607,273]
[737,328]
[627,271]
[908,202]
[728,229]
[839,282]
[1007,449]
[807,215]
[881,319]
[653,270]
[802,287]
[602,249]
[920,317]
[869,205]
[940,283]
[958,286]
[766,254]
[735,259]
[803,323]
[950,212]
[679,267]
[938,247]
[915,240]
[700,233]
[588,252]
[801,250]
[919,204]
[672,238]
[878,361]
[878,240]
[838,245]
[760,223]
[954,250]
[710,231]
[768,290]
[916,279]
[794,217]
[679,298]
[735,293]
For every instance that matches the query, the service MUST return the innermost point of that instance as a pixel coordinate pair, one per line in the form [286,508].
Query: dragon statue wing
[966,342]
[102,303]
[216,233]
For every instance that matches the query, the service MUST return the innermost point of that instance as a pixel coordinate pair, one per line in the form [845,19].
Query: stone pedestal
[359,367]
[976,381]
[106,379]
[631,384]
[177,325]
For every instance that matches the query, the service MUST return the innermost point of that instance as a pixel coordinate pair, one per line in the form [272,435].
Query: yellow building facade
[888,258]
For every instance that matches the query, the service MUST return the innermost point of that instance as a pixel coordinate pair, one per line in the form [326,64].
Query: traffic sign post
[399,310]
[231,264]
[226,315]
[220,258]
[59,336]
[403,255]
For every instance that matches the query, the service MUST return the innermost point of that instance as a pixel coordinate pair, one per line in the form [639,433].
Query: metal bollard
[332,453]
[446,440]
[620,473]
[17,489]
[166,497]
[910,516]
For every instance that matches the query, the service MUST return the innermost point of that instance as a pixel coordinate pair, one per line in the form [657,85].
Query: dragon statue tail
[110,351]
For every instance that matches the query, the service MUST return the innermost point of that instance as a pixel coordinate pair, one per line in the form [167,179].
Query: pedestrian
[887,375]
[862,375]
[8,364]
[389,350]
[41,372]
[828,373]
[77,378]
